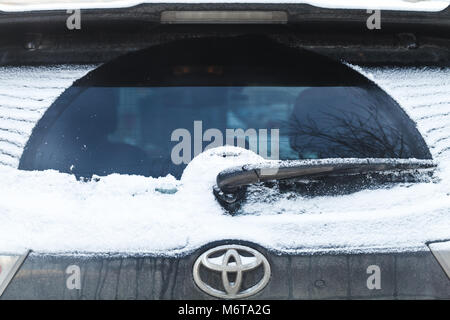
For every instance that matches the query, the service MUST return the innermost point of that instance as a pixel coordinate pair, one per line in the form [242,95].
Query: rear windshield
[153,128]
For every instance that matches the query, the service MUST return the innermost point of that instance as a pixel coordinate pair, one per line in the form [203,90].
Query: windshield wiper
[231,179]
[231,182]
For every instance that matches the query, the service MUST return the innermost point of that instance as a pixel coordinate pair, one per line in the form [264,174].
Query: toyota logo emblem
[233,265]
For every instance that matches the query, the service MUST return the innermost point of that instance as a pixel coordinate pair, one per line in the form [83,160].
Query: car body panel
[329,276]
[405,38]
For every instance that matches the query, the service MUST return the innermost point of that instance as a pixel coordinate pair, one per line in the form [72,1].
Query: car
[224,151]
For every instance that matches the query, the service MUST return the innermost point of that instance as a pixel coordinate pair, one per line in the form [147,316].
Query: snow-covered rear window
[126,116]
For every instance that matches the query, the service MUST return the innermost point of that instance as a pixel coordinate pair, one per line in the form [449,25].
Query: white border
[397,5]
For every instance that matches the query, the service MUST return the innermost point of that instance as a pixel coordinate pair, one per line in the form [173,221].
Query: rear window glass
[117,121]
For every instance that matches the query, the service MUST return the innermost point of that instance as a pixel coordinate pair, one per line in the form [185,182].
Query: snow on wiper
[232,179]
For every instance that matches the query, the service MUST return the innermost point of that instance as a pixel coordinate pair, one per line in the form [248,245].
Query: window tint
[131,116]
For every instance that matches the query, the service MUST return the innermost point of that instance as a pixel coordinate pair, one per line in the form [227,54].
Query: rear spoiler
[404,37]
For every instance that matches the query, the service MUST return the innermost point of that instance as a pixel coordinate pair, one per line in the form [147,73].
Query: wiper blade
[231,180]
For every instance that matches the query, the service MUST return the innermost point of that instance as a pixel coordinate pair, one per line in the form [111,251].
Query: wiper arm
[233,179]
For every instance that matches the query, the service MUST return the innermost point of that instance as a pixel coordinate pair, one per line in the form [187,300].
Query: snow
[50,212]
[332,161]
[25,94]
[413,5]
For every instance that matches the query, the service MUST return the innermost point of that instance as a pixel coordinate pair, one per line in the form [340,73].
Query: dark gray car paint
[409,275]
[406,38]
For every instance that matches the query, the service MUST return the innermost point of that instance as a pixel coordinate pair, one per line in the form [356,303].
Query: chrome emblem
[232,259]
